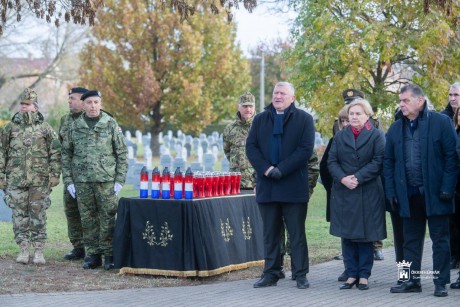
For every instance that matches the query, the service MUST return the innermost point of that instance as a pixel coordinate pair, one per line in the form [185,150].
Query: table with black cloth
[199,237]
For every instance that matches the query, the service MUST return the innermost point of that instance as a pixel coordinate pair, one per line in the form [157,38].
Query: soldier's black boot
[108,263]
[93,262]
[75,254]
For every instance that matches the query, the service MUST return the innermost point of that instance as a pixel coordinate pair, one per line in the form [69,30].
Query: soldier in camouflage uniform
[313,173]
[234,138]
[74,228]
[95,162]
[30,165]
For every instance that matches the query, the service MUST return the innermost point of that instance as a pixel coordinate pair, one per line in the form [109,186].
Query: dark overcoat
[358,214]
[439,162]
[296,148]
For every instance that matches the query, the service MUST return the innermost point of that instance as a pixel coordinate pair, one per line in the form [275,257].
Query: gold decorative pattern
[247,229]
[149,235]
[226,230]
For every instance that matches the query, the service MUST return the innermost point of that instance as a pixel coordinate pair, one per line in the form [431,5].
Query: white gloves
[117,188]
[71,190]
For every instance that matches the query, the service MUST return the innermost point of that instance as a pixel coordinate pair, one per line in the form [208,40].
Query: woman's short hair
[363,103]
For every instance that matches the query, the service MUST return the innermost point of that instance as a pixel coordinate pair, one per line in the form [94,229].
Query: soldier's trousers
[74,228]
[97,204]
[29,212]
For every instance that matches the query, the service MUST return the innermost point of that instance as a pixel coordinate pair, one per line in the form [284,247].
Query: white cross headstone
[148,157]
[128,135]
[200,154]
[138,137]
[130,153]
[215,151]
[184,154]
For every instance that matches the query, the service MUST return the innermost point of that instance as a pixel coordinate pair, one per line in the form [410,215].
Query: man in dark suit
[420,172]
[279,145]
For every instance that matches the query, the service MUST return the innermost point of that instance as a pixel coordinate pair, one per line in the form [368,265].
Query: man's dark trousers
[414,237]
[294,216]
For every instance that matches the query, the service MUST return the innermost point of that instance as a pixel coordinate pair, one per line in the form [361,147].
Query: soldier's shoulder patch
[119,130]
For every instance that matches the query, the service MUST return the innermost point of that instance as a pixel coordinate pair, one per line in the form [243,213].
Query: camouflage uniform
[30,157]
[313,173]
[74,228]
[234,138]
[94,159]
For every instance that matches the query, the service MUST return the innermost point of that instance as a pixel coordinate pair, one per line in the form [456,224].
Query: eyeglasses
[454,95]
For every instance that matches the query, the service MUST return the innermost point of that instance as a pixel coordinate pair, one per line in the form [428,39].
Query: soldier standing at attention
[74,228]
[95,162]
[30,165]
[234,137]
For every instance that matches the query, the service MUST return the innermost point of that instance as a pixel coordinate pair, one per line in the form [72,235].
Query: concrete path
[324,291]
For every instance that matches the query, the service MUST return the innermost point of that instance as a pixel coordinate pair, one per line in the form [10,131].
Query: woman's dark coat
[295,151]
[358,214]
[439,162]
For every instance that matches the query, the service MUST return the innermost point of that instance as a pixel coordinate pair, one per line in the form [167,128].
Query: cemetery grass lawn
[61,275]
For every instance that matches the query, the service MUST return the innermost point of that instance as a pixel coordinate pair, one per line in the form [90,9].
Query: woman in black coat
[357,198]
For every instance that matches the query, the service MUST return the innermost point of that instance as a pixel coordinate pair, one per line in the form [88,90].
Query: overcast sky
[261,25]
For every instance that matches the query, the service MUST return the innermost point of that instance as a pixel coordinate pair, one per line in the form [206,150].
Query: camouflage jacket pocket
[108,165]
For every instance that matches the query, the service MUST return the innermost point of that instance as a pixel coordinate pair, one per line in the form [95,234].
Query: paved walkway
[323,291]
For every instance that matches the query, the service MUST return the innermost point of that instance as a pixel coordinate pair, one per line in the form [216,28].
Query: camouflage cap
[247,99]
[29,97]
[350,94]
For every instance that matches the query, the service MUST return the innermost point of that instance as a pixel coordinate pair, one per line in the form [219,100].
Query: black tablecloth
[201,237]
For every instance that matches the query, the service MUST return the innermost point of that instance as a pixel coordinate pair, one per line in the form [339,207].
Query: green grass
[322,246]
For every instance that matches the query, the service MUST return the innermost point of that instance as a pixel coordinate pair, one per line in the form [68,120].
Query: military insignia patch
[350,93]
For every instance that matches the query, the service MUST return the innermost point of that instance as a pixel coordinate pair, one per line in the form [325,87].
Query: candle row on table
[188,186]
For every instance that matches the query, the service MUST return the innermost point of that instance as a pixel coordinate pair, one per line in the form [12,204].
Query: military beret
[29,97]
[350,94]
[78,90]
[247,99]
[91,93]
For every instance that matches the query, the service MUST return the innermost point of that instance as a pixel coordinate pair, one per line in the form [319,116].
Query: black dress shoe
[378,255]
[343,276]
[93,262]
[302,282]
[346,286]
[363,286]
[108,263]
[407,287]
[75,254]
[399,282]
[265,282]
[440,290]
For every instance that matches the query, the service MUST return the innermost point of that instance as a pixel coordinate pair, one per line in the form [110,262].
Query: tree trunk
[155,130]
